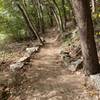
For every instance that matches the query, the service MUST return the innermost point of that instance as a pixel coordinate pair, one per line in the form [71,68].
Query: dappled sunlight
[47,52]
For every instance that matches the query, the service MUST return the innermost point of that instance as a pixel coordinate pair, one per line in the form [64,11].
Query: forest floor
[45,77]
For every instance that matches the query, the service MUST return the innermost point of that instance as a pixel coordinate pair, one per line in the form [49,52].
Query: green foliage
[13,23]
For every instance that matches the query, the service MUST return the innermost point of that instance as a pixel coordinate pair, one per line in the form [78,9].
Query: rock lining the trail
[26,58]
[94,80]
[71,63]
[32,50]
[17,65]
[76,65]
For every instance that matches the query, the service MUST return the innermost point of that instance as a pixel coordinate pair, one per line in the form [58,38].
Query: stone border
[21,62]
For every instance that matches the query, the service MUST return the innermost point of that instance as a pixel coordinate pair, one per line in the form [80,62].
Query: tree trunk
[40,11]
[36,12]
[84,21]
[59,16]
[57,19]
[64,13]
[50,16]
[27,19]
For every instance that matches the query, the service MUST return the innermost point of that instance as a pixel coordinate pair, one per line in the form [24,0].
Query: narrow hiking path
[46,78]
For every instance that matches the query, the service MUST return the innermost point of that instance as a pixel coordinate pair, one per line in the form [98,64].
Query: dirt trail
[47,79]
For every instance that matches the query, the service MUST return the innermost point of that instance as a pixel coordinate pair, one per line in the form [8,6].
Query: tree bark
[36,12]
[40,11]
[59,16]
[50,13]
[82,13]
[56,16]
[27,19]
[64,13]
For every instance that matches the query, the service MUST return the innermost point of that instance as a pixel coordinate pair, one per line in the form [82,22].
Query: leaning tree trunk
[84,21]
[59,16]
[27,19]
[56,16]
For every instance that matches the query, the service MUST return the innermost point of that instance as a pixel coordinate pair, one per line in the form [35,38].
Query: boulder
[25,58]
[94,80]
[76,65]
[32,50]
[17,65]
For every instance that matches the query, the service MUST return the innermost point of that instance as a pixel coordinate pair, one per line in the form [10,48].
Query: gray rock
[27,55]
[32,50]
[20,63]
[94,80]
[25,58]
[17,65]
[76,65]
